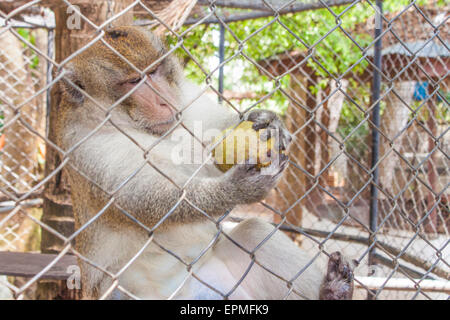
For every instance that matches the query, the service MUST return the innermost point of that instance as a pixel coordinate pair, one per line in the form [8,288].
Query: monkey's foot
[338,283]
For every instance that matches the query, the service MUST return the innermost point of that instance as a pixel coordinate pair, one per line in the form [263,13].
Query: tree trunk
[431,224]
[393,120]
[57,204]
[334,107]
[295,182]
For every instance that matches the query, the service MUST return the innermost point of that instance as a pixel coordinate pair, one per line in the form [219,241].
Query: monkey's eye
[154,71]
[134,80]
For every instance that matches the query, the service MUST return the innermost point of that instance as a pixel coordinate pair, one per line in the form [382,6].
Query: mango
[238,144]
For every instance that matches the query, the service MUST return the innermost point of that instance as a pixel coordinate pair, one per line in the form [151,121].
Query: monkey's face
[153,101]
[138,70]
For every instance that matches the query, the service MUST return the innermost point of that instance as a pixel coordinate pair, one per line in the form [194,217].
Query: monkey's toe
[338,284]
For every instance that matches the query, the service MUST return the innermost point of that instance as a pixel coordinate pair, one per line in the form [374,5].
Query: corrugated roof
[417,48]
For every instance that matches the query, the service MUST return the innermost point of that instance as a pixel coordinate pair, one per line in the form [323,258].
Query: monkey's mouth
[161,127]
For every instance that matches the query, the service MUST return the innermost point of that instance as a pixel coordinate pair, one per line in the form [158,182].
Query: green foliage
[353,127]
[334,42]
[29,36]
[353,130]
[248,42]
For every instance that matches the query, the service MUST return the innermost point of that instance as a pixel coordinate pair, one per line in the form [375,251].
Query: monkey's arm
[150,193]
[157,196]
[111,161]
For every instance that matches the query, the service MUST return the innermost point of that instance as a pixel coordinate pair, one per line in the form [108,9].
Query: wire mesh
[312,62]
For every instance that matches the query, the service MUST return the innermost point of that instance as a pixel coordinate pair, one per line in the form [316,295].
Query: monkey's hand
[250,183]
[264,119]
[338,282]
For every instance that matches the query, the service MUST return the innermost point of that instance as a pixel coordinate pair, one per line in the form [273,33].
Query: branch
[390,264]
[242,4]
[228,94]
[418,262]
[265,11]
[276,4]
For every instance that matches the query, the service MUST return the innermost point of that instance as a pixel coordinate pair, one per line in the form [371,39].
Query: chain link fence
[364,93]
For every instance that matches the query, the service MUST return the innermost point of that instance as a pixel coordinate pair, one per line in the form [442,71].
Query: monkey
[148,227]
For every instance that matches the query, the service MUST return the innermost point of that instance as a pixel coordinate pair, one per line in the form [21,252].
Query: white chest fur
[160,267]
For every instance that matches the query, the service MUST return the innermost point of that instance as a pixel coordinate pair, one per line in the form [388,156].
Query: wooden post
[334,108]
[294,182]
[431,226]
[393,120]
[57,204]
[322,152]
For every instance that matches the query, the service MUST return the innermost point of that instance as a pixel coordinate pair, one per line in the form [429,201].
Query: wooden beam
[33,195]
[20,264]
[416,261]
[402,284]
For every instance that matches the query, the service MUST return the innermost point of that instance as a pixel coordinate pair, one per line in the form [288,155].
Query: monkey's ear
[71,84]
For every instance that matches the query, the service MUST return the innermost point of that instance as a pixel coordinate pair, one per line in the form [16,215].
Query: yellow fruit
[236,145]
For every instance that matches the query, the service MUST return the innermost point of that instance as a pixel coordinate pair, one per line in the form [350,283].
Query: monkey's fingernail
[265,135]
[259,125]
[250,163]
